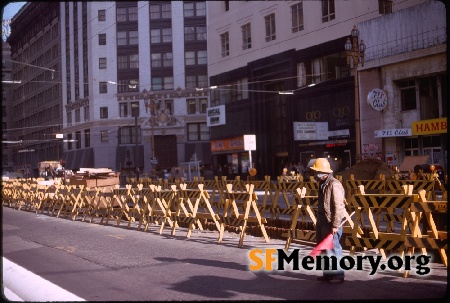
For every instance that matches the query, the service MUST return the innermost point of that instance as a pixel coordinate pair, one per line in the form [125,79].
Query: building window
[198,132]
[123,109]
[78,140]
[196,81]
[194,9]
[196,57]
[125,14]
[77,115]
[328,12]
[86,113]
[103,112]
[246,36]
[101,15]
[104,136]
[101,63]
[227,6]
[297,17]
[128,61]
[270,27]
[385,6]
[191,106]
[87,138]
[128,135]
[225,44]
[160,11]
[161,35]
[203,105]
[69,118]
[408,94]
[103,87]
[192,33]
[127,38]
[129,85]
[162,83]
[101,39]
[411,146]
[162,59]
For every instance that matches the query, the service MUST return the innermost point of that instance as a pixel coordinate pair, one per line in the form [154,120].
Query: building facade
[36,102]
[409,64]
[279,70]
[130,71]
[7,151]
[126,76]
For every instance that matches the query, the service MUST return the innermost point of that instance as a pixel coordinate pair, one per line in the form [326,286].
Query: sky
[11,9]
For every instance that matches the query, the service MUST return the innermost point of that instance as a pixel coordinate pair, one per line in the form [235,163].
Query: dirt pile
[369,169]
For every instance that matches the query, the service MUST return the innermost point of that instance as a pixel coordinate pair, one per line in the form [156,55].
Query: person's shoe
[323,279]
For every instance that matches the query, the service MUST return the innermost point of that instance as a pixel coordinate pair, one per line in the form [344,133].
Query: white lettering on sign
[377,99]
[397,132]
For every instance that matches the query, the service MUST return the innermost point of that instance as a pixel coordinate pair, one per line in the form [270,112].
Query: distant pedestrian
[331,210]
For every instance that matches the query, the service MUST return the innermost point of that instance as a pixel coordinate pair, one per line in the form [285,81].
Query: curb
[23,285]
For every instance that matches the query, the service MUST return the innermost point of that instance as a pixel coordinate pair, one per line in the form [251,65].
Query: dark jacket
[331,200]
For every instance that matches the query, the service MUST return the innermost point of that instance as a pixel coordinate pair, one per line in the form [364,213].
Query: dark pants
[323,229]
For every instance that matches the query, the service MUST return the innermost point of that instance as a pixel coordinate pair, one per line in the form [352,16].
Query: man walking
[331,210]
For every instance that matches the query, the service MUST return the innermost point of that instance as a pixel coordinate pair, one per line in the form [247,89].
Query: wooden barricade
[370,186]
[304,210]
[160,211]
[262,185]
[433,238]
[100,200]
[146,196]
[397,187]
[307,208]
[232,216]
[187,209]
[366,205]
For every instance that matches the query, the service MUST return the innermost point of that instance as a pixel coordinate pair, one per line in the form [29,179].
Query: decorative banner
[377,99]
[429,127]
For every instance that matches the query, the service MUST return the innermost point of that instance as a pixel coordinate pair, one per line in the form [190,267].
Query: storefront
[229,157]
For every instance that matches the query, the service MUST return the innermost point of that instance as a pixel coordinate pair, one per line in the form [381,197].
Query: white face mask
[320,176]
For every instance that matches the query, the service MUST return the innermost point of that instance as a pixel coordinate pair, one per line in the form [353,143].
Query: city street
[113,263]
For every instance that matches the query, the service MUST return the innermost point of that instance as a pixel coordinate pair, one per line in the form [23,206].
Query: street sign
[154,161]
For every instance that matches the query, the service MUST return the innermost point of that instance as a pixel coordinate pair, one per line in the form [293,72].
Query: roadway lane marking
[117,237]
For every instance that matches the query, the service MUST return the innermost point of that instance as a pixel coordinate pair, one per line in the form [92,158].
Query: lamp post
[150,102]
[135,113]
[355,52]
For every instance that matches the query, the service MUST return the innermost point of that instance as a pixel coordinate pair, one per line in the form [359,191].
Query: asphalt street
[113,263]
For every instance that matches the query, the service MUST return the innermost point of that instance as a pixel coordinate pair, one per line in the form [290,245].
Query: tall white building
[126,59]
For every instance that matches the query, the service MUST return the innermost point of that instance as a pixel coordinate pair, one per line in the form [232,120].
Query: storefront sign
[232,144]
[310,130]
[377,99]
[429,127]
[215,116]
[249,142]
[395,132]
[342,133]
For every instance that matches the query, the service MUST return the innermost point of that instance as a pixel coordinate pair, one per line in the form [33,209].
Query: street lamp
[355,51]
[150,102]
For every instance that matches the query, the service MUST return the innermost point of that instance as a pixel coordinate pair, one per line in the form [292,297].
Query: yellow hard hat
[322,165]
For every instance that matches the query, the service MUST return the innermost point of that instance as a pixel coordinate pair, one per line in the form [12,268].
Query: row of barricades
[399,214]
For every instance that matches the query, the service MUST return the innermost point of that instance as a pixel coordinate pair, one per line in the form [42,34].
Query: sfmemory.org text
[263,259]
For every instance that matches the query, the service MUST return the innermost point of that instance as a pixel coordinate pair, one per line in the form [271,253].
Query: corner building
[277,67]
